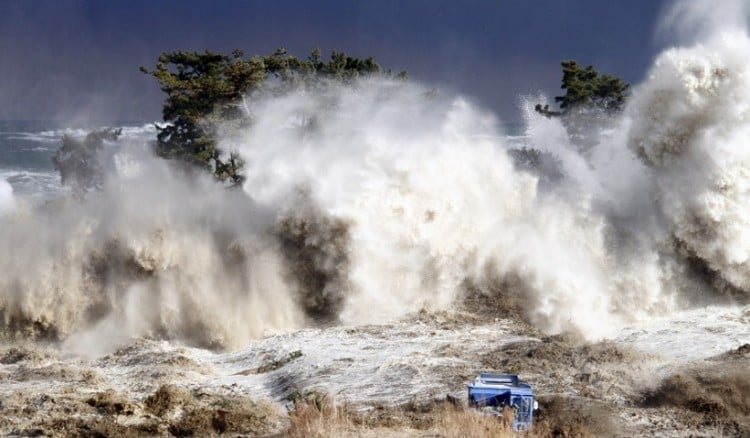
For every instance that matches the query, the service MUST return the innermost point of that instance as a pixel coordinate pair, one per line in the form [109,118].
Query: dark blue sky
[68,60]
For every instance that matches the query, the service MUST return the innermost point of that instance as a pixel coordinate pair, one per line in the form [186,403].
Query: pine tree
[585,88]
[207,89]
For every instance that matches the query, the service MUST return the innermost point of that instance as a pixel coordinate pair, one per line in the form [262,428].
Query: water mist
[369,201]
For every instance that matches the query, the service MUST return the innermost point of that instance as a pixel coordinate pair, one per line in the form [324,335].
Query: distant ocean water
[27,147]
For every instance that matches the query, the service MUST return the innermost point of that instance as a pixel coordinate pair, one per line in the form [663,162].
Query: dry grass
[322,418]
[462,422]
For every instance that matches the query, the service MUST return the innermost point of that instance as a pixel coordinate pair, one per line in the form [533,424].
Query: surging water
[432,199]
[363,203]
[366,202]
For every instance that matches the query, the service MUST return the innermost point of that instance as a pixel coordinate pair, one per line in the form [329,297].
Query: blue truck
[493,393]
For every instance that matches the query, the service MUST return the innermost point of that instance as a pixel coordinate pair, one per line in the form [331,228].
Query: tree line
[205,90]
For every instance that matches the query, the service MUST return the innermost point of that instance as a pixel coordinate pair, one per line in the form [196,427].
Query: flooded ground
[391,375]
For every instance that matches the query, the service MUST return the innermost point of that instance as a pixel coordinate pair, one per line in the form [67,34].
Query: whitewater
[371,215]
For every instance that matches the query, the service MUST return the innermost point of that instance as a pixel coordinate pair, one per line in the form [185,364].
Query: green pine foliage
[586,88]
[205,89]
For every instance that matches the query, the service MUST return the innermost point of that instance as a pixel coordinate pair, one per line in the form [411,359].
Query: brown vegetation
[320,417]
[326,420]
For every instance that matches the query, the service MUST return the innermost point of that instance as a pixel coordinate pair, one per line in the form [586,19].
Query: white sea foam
[433,200]
[690,125]
[368,201]
[52,136]
[362,203]
[6,196]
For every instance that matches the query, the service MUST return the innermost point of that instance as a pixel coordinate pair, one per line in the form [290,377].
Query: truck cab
[493,393]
